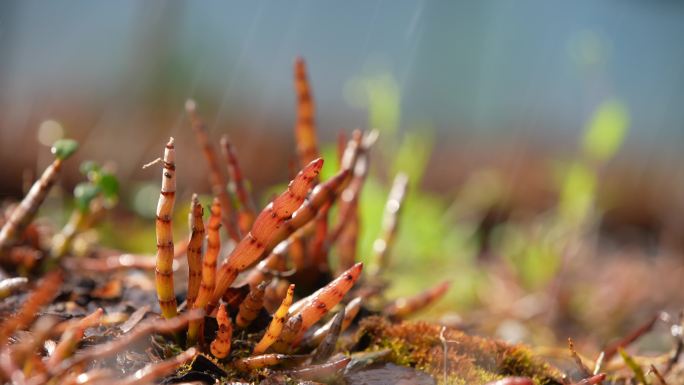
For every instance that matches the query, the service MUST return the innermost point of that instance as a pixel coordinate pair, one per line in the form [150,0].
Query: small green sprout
[101,183]
[99,192]
[64,148]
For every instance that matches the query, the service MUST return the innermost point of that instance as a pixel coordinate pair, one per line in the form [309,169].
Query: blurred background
[519,122]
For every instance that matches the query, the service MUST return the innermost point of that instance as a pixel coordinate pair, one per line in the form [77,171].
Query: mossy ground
[470,360]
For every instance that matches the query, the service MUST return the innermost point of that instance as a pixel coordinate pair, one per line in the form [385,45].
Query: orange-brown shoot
[581,367]
[98,352]
[597,379]
[319,303]
[249,250]
[318,250]
[267,226]
[276,261]
[250,307]
[195,246]
[322,194]
[220,347]
[276,325]
[72,336]
[347,242]
[296,250]
[404,307]
[158,370]
[164,262]
[27,350]
[208,268]
[288,334]
[327,346]
[276,291]
[46,289]
[390,222]
[246,210]
[355,158]
[305,129]
[257,362]
[350,312]
[322,372]
[356,147]
[347,229]
[22,215]
[213,249]
[216,178]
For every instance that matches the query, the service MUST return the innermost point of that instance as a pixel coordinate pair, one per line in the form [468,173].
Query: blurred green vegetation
[430,244]
[535,252]
[438,236]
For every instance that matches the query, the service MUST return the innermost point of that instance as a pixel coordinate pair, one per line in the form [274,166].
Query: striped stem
[22,215]
[208,268]
[276,261]
[305,128]
[276,325]
[390,223]
[164,261]
[45,291]
[220,347]
[246,210]
[72,336]
[194,252]
[288,334]
[350,312]
[257,362]
[404,307]
[315,306]
[267,226]
[327,346]
[250,307]
[216,177]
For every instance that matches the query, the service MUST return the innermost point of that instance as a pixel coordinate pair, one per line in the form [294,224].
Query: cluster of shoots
[287,293]
[282,252]
[275,301]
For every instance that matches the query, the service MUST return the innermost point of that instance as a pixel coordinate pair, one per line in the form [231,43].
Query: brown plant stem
[164,261]
[305,128]
[220,347]
[195,246]
[268,226]
[246,210]
[276,326]
[216,178]
[208,269]
[22,215]
[404,307]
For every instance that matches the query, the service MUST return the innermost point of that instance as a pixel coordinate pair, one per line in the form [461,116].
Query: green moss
[470,360]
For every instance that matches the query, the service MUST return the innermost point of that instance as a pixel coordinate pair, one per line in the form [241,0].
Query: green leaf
[109,185]
[634,366]
[84,193]
[89,166]
[578,193]
[64,148]
[413,155]
[384,101]
[606,131]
